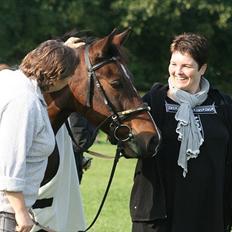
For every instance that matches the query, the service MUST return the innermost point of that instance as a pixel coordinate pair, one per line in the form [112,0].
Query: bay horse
[102,91]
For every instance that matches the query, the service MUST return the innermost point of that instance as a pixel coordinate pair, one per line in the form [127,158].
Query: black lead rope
[84,149]
[116,159]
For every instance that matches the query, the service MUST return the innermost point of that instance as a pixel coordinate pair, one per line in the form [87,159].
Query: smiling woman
[185,72]
[188,65]
[171,190]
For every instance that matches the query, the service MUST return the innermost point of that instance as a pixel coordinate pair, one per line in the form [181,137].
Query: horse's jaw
[138,147]
[131,150]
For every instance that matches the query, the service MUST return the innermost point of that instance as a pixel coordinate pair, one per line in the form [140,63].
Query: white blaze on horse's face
[126,73]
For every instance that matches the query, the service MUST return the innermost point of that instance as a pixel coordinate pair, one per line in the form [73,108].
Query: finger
[23,228]
[18,229]
[76,45]
[75,39]
[74,42]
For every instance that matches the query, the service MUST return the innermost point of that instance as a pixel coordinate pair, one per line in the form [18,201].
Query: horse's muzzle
[140,148]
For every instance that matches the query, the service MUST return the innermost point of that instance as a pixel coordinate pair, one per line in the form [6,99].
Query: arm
[22,216]
[16,139]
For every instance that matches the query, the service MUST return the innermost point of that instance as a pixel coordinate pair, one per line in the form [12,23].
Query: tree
[154,24]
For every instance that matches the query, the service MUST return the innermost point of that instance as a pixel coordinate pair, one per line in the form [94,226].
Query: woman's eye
[116,84]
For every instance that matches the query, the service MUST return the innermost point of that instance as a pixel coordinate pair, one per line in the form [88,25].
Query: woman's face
[185,73]
[58,85]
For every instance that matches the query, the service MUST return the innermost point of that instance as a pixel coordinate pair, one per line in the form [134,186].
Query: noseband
[117,128]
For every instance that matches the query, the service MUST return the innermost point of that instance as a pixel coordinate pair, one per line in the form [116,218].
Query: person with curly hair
[26,135]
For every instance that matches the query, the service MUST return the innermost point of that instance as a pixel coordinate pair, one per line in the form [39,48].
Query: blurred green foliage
[24,24]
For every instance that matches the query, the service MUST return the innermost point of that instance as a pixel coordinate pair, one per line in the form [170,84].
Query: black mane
[87,37]
[84,35]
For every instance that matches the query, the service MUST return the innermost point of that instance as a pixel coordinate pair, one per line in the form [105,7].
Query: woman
[26,136]
[182,188]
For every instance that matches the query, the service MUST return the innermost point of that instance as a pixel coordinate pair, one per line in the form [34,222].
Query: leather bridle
[116,118]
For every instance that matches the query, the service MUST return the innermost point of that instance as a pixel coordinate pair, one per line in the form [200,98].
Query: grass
[115,215]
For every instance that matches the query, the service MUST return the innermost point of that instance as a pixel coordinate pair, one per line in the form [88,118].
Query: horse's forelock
[87,37]
[84,35]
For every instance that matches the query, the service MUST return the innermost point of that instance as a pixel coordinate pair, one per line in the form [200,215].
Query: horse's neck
[58,109]
[58,119]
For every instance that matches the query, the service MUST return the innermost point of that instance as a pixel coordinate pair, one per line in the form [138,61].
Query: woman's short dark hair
[194,44]
[50,61]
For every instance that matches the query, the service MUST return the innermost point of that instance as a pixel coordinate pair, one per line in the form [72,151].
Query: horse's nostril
[152,146]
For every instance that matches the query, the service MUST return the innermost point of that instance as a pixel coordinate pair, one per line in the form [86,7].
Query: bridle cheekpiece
[116,119]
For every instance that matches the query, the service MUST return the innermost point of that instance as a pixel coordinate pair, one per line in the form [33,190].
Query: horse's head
[104,94]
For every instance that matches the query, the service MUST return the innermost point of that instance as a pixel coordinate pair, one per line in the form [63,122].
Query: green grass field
[115,215]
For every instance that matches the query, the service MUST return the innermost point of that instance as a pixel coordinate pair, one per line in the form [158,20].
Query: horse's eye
[116,84]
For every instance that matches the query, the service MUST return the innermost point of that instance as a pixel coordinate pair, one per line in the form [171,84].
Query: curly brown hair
[49,62]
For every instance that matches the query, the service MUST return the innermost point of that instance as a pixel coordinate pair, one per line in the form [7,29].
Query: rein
[93,153]
[116,159]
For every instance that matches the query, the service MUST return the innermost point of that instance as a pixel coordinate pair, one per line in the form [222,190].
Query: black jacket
[148,198]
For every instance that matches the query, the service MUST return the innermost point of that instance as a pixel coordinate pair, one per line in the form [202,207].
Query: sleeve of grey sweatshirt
[17,126]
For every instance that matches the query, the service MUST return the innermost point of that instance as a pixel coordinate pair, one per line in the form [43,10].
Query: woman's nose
[179,70]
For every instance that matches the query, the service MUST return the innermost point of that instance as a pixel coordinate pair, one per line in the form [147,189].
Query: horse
[102,90]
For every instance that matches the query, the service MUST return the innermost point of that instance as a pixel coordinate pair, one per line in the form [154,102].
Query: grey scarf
[187,127]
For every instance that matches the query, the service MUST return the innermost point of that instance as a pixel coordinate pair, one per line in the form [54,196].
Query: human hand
[74,42]
[24,221]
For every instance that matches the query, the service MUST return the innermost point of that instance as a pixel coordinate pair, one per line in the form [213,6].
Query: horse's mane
[84,35]
[87,37]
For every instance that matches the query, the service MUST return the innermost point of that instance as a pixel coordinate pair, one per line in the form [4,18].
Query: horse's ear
[120,38]
[101,46]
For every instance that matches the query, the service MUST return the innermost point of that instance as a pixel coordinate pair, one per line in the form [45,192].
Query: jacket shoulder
[220,97]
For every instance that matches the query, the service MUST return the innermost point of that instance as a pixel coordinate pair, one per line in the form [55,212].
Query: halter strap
[116,118]
[92,76]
